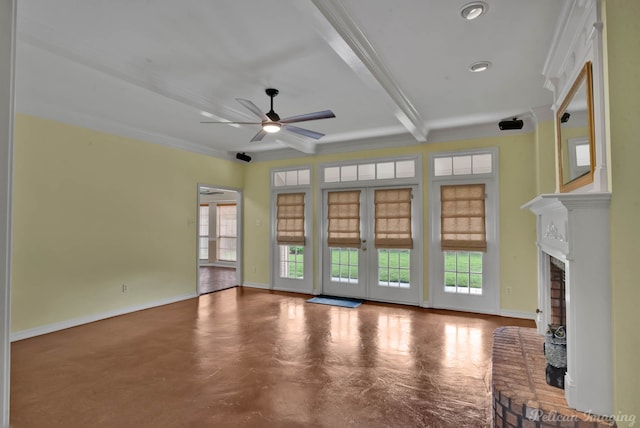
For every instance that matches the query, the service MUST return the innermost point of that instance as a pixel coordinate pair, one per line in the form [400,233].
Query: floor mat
[336,301]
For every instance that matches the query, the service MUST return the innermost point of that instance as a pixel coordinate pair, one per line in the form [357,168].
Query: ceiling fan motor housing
[271,92]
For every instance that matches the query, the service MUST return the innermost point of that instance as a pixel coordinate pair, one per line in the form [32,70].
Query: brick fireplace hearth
[521,397]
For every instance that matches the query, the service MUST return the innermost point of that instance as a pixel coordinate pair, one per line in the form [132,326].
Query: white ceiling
[392,71]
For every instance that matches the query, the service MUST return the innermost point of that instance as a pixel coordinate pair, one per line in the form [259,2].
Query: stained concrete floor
[255,358]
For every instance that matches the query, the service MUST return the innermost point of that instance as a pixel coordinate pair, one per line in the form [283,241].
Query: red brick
[526,423]
[511,418]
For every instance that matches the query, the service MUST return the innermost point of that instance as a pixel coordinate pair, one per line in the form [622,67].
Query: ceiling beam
[352,45]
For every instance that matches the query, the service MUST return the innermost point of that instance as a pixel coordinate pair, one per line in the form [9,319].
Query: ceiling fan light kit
[271,127]
[270,122]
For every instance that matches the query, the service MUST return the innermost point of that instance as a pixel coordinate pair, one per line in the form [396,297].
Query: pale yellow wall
[517,227]
[92,211]
[545,155]
[622,28]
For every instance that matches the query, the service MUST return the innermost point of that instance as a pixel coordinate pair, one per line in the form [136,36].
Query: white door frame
[7,70]
[436,258]
[415,180]
[239,233]
[304,285]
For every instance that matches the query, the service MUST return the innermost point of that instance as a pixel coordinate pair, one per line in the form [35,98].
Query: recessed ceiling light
[207,114]
[473,10]
[479,66]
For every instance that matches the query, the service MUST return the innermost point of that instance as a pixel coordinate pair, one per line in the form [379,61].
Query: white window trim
[491,181]
[276,282]
[417,181]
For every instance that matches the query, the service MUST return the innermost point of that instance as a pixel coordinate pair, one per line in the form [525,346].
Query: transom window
[292,177]
[366,171]
[470,164]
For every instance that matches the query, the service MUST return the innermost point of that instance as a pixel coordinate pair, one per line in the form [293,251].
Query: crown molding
[86,121]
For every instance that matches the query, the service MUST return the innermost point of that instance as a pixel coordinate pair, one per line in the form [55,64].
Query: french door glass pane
[291,261]
[344,265]
[393,268]
[463,272]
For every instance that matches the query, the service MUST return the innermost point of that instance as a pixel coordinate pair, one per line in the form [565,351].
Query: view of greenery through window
[463,272]
[393,265]
[294,262]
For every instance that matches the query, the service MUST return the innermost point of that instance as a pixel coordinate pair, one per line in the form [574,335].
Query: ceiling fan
[271,122]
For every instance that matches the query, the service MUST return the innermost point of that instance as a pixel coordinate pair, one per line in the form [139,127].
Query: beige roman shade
[393,218]
[344,219]
[290,216]
[463,218]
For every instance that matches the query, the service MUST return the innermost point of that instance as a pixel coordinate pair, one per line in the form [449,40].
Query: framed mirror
[575,135]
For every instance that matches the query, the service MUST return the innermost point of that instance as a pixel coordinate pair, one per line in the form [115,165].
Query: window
[393,218]
[385,170]
[226,226]
[393,239]
[294,177]
[290,237]
[462,217]
[291,261]
[394,268]
[203,233]
[291,240]
[471,164]
[290,218]
[344,265]
[464,260]
[344,219]
[463,272]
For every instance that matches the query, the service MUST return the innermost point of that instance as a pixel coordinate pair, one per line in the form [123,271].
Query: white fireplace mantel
[574,228]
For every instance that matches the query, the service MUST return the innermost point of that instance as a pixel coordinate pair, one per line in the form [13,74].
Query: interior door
[373,262]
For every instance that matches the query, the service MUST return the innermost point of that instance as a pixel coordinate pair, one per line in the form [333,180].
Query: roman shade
[343,219]
[290,219]
[463,218]
[393,218]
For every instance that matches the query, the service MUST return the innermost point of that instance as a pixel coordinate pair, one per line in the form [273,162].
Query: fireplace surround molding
[574,228]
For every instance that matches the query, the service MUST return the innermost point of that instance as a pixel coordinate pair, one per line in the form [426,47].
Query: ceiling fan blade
[306,132]
[259,136]
[236,123]
[253,108]
[324,114]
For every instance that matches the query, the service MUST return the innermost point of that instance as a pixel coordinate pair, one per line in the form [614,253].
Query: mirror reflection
[575,134]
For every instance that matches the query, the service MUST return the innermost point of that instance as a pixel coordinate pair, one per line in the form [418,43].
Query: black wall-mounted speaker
[243,157]
[507,125]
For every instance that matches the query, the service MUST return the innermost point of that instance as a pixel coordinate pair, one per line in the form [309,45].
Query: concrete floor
[255,358]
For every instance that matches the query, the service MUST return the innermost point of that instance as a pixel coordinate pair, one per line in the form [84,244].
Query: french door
[362,264]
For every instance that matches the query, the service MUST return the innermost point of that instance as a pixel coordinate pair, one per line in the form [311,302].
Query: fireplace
[557,297]
[573,245]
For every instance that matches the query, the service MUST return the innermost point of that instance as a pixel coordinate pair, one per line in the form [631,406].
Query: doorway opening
[219,238]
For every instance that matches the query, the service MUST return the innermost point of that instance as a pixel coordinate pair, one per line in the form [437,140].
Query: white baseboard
[517,314]
[269,287]
[50,328]
[293,290]
[256,285]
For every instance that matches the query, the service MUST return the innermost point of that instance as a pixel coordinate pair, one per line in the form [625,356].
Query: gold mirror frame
[584,80]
